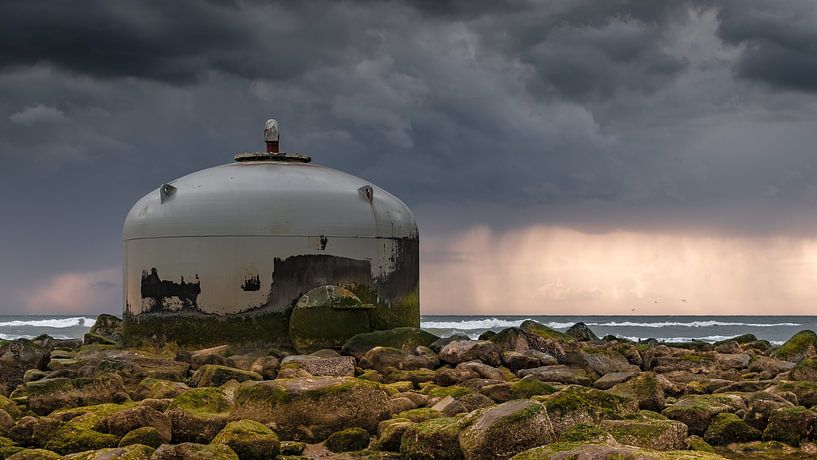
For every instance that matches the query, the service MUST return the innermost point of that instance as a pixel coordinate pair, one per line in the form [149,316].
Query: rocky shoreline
[527,393]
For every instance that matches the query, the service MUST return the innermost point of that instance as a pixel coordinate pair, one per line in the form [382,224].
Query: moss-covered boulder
[6,421]
[658,433]
[576,404]
[198,415]
[433,439]
[697,411]
[581,332]
[760,407]
[390,432]
[805,392]
[611,379]
[573,450]
[250,440]
[34,454]
[73,430]
[697,443]
[151,388]
[132,365]
[311,409]
[801,345]
[404,338]
[542,338]
[415,376]
[292,448]
[420,414]
[520,389]
[558,374]
[76,438]
[131,452]
[727,427]
[213,375]
[470,350]
[805,370]
[505,430]
[599,361]
[193,451]
[47,395]
[146,436]
[18,356]
[644,388]
[766,450]
[106,330]
[348,440]
[517,360]
[10,407]
[791,425]
[127,420]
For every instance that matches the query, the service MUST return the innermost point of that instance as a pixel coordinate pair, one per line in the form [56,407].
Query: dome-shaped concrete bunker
[227,253]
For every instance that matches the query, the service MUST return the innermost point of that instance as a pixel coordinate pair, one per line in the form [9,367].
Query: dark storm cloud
[780,41]
[598,115]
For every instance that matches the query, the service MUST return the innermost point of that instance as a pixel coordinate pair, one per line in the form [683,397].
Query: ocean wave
[57,323]
[469,324]
[708,338]
[689,324]
[493,323]
[25,336]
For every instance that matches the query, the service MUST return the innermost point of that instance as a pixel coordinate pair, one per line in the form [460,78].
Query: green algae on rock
[791,425]
[520,389]
[697,411]
[146,435]
[190,450]
[213,375]
[403,338]
[311,409]
[645,389]
[575,404]
[433,439]
[572,450]
[727,427]
[801,345]
[199,414]
[131,452]
[348,440]
[250,440]
[648,432]
[505,430]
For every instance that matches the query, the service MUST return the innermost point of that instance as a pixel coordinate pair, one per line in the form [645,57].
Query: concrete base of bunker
[326,317]
[204,330]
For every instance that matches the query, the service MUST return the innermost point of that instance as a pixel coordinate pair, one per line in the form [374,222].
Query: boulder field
[528,392]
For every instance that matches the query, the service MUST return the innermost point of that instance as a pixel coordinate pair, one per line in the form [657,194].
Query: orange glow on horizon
[554,270]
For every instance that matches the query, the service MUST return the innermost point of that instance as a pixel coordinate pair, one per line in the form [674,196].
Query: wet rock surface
[526,392]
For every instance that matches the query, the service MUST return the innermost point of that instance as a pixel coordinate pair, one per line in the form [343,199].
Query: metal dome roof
[270,197]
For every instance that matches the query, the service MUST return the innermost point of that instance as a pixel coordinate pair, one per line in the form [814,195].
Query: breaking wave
[57,323]
[689,324]
[493,323]
[708,338]
[469,324]
[26,336]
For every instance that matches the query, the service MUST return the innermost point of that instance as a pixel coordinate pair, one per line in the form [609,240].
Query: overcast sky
[566,156]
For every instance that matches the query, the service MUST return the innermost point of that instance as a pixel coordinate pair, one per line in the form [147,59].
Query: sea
[776,329]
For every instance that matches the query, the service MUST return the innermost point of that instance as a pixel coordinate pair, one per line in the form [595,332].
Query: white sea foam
[57,323]
[24,336]
[708,338]
[470,324]
[689,324]
[493,323]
